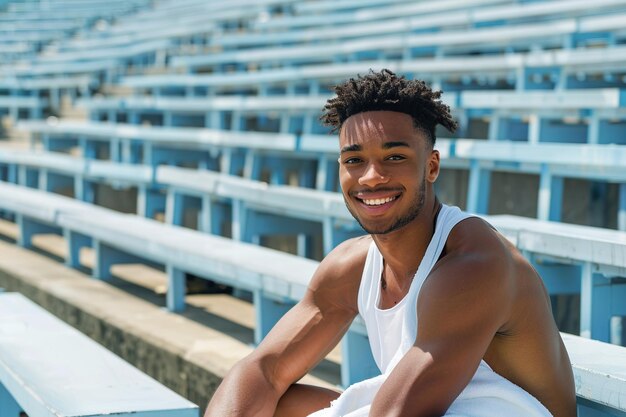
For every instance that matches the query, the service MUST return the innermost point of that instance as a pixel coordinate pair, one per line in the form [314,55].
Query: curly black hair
[385,90]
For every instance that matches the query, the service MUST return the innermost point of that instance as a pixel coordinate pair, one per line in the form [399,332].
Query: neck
[403,249]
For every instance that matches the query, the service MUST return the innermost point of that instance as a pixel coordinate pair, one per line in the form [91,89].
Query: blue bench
[34,106]
[372,10]
[548,34]
[599,375]
[553,162]
[175,111]
[48,368]
[520,116]
[245,199]
[561,66]
[405,18]
[54,87]
[119,238]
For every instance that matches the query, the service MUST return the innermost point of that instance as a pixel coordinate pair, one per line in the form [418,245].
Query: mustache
[366,191]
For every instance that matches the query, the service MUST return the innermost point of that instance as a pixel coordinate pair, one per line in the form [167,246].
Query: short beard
[415,210]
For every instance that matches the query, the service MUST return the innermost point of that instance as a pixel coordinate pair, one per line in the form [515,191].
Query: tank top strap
[370,279]
[448,218]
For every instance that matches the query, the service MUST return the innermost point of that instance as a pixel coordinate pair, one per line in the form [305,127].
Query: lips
[376,202]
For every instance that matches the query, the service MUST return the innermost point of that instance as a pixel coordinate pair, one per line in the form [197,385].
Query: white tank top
[392,333]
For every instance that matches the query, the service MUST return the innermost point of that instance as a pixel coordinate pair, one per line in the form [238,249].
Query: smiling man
[458,321]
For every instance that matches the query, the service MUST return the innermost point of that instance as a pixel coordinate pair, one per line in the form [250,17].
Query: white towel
[487,395]
[355,401]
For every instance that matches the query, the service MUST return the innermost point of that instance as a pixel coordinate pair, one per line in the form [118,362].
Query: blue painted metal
[478,189]
[213,215]
[550,200]
[84,190]
[150,202]
[8,406]
[75,242]
[175,298]
[86,379]
[587,408]
[174,208]
[28,177]
[29,228]
[357,361]
[54,182]
[268,311]
[559,278]
[106,256]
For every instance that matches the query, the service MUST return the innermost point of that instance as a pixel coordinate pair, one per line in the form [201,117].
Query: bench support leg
[478,190]
[268,312]
[84,190]
[75,242]
[621,213]
[8,406]
[149,202]
[175,289]
[174,208]
[595,305]
[550,196]
[357,362]
[29,228]
[106,257]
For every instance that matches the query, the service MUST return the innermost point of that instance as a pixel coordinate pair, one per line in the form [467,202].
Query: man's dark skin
[482,299]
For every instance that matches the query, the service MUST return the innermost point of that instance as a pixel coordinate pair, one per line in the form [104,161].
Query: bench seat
[53,370]
[599,373]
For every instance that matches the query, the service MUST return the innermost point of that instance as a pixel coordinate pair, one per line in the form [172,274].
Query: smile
[378,201]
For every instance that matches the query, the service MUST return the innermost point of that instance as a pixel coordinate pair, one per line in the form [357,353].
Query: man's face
[384,166]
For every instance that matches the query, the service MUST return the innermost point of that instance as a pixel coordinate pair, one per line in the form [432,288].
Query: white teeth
[378,201]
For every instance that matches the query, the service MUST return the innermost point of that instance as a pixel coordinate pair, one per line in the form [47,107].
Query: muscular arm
[462,305]
[300,340]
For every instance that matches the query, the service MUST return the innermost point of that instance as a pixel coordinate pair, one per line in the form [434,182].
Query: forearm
[412,389]
[245,391]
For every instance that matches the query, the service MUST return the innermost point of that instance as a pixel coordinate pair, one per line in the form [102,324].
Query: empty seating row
[411,18]
[255,209]
[538,69]
[279,279]
[559,33]
[313,157]
[580,116]
[87,379]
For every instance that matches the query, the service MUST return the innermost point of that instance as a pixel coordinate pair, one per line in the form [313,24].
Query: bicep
[300,340]
[314,326]
[459,313]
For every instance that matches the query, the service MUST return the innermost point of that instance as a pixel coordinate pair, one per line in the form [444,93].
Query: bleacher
[205,114]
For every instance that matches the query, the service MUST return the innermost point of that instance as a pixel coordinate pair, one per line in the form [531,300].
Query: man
[459,322]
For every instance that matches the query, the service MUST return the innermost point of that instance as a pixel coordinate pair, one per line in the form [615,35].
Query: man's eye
[350,161]
[396,158]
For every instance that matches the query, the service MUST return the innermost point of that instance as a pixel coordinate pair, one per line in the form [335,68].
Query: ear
[433,166]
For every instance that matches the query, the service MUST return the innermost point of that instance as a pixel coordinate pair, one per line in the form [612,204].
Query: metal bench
[406,18]
[13,106]
[556,33]
[512,68]
[599,375]
[48,368]
[278,279]
[551,161]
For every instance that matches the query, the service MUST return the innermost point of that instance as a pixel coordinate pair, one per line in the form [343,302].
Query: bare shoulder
[478,250]
[476,265]
[338,277]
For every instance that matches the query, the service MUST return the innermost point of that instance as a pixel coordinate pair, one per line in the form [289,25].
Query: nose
[373,175]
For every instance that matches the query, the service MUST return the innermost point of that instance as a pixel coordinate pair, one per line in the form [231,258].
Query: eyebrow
[386,145]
